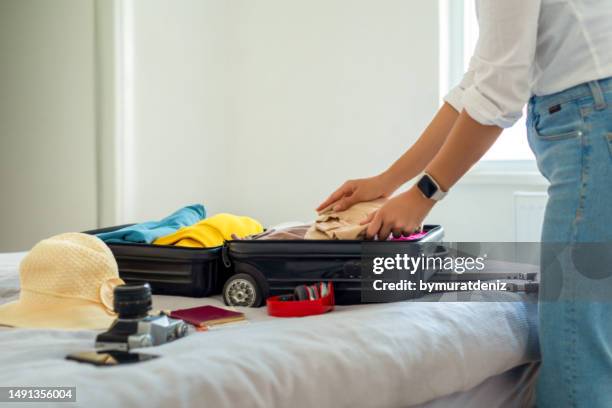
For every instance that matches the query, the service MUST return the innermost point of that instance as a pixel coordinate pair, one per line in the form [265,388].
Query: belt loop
[598,96]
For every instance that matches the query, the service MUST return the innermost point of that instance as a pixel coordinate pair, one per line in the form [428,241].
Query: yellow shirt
[212,231]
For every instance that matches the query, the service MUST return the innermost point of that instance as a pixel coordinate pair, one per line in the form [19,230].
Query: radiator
[528,215]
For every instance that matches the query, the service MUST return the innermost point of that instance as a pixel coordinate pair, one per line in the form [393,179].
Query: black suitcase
[248,271]
[263,268]
[170,270]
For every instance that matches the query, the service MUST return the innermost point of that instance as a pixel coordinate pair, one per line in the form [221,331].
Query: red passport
[207,315]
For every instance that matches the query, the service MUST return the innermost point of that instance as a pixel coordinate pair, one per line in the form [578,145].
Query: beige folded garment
[345,224]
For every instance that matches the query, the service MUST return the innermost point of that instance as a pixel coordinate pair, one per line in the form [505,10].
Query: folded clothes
[298,232]
[212,231]
[147,232]
[345,224]
[293,233]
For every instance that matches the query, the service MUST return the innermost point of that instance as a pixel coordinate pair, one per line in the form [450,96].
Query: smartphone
[110,357]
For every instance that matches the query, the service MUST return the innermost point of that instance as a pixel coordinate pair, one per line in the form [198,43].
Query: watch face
[427,187]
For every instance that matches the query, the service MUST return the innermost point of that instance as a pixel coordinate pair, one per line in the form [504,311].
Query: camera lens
[132,301]
[180,330]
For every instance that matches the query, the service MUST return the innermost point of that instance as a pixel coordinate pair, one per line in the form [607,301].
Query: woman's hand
[402,215]
[356,191]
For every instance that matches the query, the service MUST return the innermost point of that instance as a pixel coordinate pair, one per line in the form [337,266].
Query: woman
[559,54]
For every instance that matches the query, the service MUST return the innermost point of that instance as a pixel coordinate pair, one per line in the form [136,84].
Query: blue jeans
[571,135]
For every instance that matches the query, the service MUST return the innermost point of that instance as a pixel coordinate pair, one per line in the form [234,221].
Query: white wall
[481,211]
[263,107]
[253,107]
[47,123]
[324,91]
[178,152]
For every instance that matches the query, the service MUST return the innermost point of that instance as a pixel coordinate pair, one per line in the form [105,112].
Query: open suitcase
[249,271]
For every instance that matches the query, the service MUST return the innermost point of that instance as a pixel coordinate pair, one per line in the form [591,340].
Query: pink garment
[412,237]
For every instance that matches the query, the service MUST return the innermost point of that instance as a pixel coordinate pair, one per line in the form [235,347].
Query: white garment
[532,47]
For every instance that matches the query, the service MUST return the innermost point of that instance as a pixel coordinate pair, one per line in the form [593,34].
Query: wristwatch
[430,188]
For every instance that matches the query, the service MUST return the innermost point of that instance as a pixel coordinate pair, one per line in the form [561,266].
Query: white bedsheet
[391,355]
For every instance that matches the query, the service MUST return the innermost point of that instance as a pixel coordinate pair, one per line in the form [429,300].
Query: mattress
[428,354]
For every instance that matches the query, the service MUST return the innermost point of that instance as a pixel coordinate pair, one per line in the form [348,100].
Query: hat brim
[35,310]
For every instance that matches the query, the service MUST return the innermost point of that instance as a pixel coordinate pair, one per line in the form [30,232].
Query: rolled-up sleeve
[455,96]
[498,82]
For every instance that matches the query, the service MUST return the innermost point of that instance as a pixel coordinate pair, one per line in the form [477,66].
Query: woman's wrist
[415,194]
[391,180]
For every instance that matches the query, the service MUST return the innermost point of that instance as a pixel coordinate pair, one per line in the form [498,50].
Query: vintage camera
[134,326]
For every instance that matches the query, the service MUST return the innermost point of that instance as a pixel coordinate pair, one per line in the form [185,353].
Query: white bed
[478,354]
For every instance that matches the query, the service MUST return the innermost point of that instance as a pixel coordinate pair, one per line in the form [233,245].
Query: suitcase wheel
[242,290]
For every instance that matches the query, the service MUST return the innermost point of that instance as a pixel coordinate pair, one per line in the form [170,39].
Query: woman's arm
[467,142]
[409,165]
[413,162]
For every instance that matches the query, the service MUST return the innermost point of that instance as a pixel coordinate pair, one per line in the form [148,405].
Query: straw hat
[67,282]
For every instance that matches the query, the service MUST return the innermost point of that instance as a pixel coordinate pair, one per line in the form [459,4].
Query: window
[459,34]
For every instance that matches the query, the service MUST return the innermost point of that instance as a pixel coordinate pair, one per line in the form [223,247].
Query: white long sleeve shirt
[532,47]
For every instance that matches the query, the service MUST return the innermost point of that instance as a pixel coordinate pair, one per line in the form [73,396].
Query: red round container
[300,308]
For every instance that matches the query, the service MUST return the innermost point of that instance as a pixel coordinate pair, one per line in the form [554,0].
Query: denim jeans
[571,135]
